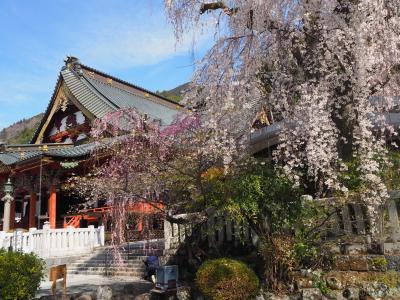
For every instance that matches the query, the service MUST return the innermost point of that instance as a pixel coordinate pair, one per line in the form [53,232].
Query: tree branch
[205,7]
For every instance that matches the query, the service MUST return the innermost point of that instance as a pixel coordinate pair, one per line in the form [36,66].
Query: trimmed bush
[20,275]
[227,279]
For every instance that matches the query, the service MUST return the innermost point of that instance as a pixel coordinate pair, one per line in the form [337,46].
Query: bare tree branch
[217,5]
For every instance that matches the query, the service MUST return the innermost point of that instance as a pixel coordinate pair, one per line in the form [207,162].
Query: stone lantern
[8,190]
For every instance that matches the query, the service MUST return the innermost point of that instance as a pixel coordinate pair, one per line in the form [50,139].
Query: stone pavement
[77,284]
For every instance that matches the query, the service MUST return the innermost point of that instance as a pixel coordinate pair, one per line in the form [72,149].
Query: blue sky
[129,39]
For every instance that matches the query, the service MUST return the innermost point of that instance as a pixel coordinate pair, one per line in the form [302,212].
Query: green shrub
[227,279]
[20,275]
[379,263]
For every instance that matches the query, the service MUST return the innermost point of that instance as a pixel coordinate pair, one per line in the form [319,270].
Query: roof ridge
[129,84]
[88,78]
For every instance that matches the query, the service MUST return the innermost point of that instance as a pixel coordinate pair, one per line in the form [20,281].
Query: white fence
[348,222]
[48,242]
[217,230]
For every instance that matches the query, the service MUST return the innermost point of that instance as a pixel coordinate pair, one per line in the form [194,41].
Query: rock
[335,295]
[341,263]
[333,249]
[311,294]
[394,293]
[104,293]
[391,248]
[270,296]
[59,297]
[145,296]
[184,293]
[303,283]
[84,296]
[306,273]
[358,263]
[355,249]
[333,283]
[267,295]
[351,293]
[374,290]
[393,262]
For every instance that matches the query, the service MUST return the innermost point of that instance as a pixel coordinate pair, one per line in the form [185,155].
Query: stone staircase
[102,262]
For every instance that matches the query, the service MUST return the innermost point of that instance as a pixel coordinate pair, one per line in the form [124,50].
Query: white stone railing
[217,230]
[350,222]
[48,242]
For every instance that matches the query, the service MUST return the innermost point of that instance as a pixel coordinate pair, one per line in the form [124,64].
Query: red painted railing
[83,214]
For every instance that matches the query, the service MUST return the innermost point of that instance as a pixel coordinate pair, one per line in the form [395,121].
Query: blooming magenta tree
[314,65]
[137,161]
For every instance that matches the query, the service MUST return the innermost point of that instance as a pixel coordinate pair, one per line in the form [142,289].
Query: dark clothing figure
[151,264]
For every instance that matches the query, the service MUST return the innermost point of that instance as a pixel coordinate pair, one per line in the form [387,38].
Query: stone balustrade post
[2,238]
[102,236]
[70,237]
[46,240]
[91,237]
[77,240]
[64,239]
[32,243]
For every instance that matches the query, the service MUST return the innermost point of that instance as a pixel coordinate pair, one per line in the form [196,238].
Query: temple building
[37,172]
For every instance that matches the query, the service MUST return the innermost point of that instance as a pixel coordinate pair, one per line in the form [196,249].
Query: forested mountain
[20,132]
[175,94]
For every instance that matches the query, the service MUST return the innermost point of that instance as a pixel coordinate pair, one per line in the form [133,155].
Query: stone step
[133,247]
[123,255]
[110,259]
[101,261]
[103,269]
[120,274]
[131,253]
[92,264]
[158,247]
[103,264]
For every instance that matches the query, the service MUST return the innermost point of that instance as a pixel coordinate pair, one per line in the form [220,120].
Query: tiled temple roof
[99,93]
[23,153]
[19,154]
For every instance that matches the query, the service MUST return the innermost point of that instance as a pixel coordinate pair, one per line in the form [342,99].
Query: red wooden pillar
[12,215]
[140,218]
[52,206]
[32,209]
[140,224]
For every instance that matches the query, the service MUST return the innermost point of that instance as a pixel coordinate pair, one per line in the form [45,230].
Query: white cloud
[127,42]
[110,40]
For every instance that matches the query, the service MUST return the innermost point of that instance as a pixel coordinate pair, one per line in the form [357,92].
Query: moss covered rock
[223,279]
